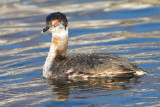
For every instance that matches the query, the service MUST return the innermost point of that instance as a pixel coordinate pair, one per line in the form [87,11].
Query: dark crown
[56,16]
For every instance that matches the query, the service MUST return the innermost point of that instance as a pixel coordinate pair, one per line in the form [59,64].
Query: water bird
[86,65]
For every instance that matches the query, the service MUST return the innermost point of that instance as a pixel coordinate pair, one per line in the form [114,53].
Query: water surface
[130,29]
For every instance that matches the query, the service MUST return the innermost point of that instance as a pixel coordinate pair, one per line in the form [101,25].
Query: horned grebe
[58,65]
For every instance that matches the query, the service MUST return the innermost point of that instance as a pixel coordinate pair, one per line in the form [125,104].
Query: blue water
[129,29]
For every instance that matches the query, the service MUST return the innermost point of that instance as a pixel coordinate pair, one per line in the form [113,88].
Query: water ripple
[130,29]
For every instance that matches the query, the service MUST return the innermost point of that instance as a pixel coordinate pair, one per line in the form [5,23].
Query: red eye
[56,22]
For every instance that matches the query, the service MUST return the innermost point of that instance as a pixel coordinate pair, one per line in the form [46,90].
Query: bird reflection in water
[65,88]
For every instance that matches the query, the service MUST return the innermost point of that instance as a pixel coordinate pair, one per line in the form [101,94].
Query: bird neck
[59,44]
[58,49]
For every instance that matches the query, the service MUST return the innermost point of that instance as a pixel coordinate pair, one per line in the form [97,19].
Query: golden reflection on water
[23,48]
[68,88]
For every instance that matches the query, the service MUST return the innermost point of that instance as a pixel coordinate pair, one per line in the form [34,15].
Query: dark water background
[128,28]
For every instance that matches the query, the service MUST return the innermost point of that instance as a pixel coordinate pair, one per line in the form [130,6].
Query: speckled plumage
[95,65]
[86,65]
